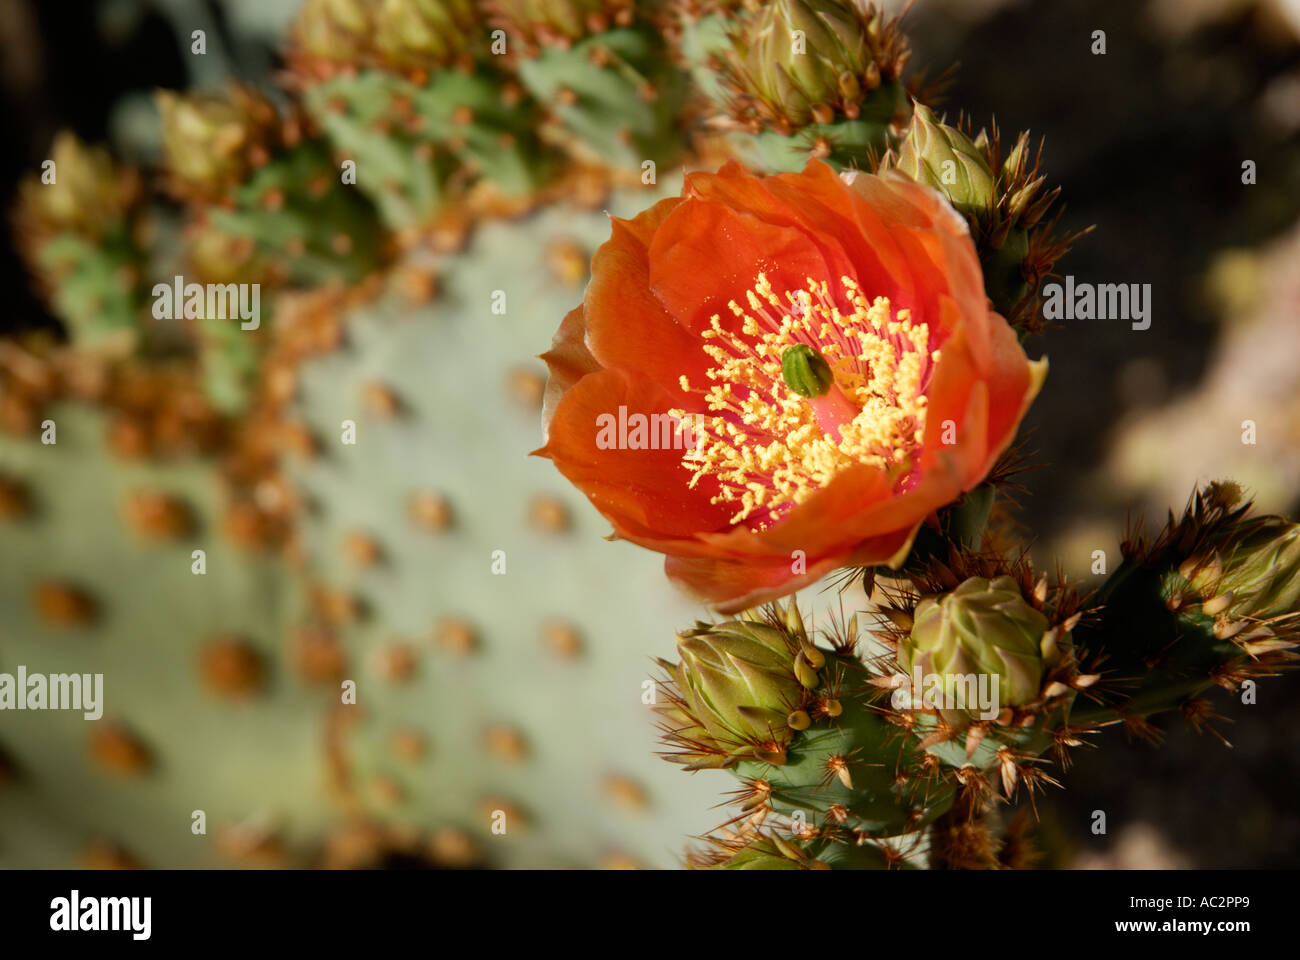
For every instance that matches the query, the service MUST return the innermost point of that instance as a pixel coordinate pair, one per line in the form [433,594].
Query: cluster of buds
[740,689]
[986,667]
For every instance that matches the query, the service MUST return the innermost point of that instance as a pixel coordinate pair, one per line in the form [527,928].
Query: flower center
[803,391]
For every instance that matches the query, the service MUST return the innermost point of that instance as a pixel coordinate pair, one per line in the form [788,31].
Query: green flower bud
[335,30]
[982,628]
[1258,576]
[90,195]
[212,140]
[943,157]
[796,53]
[739,688]
[422,34]
[805,371]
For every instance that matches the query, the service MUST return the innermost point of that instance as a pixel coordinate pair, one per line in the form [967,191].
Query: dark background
[1147,142]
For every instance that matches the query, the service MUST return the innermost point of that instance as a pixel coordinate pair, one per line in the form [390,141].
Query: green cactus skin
[239,761]
[879,802]
[97,290]
[466,129]
[617,92]
[412,92]
[701,41]
[305,222]
[499,143]
[845,145]
[229,360]
[1004,275]
[766,853]
[293,225]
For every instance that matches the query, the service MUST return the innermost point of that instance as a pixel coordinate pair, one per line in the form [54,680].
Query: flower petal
[774,201]
[707,254]
[568,361]
[642,492]
[623,316]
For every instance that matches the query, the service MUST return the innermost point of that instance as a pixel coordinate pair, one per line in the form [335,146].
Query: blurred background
[1147,143]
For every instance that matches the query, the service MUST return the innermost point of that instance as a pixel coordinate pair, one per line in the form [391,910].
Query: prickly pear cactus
[201,707]
[343,620]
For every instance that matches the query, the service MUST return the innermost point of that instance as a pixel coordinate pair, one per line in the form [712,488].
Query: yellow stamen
[765,445]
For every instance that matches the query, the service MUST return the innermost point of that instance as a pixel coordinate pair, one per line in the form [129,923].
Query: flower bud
[338,31]
[943,157]
[811,44]
[423,35]
[89,195]
[739,687]
[798,58]
[212,140]
[1258,575]
[794,623]
[981,628]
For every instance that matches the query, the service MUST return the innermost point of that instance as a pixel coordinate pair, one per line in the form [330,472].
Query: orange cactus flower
[772,377]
